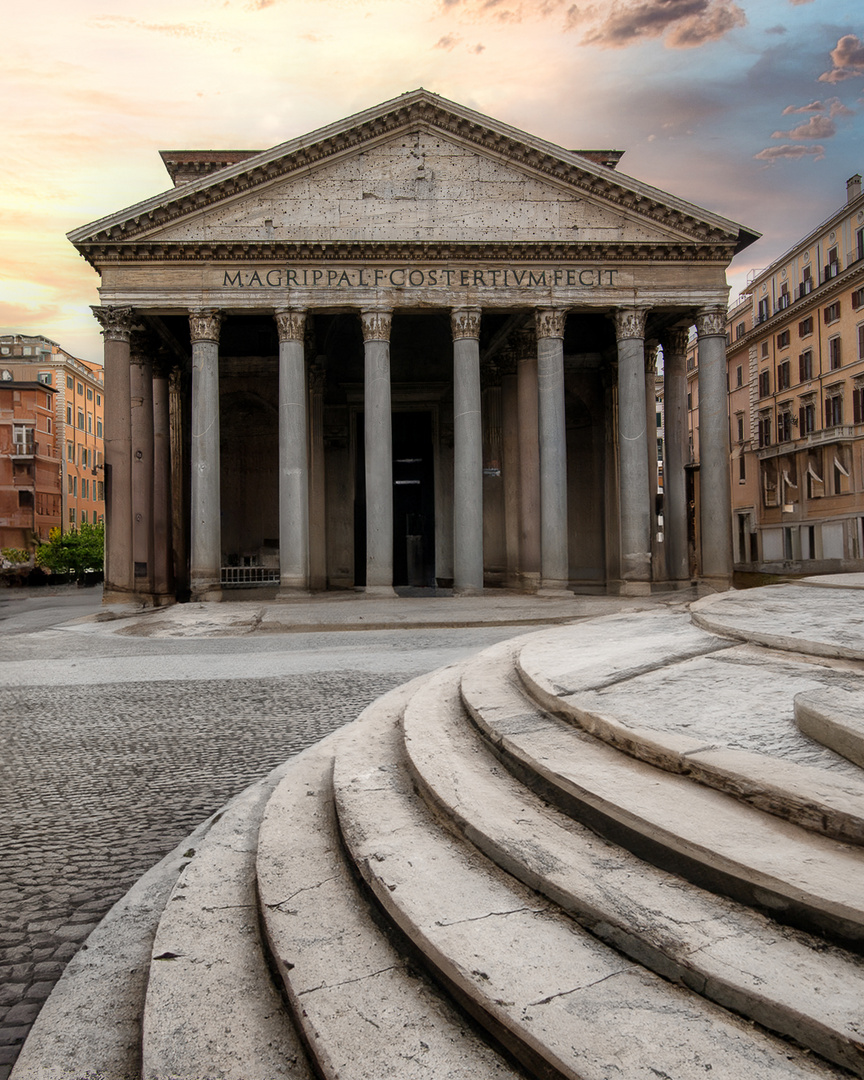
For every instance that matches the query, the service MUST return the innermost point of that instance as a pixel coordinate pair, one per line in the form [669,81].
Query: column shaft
[141,379]
[554,553]
[378,435]
[633,454]
[206,546]
[293,468]
[163,577]
[467,454]
[529,462]
[674,478]
[510,469]
[117,324]
[715,492]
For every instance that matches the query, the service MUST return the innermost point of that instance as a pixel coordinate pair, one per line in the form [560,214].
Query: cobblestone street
[115,747]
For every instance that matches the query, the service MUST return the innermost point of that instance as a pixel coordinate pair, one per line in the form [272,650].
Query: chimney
[853,187]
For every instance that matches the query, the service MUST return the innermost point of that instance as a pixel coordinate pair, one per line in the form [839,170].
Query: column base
[529,581]
[714,584]
[378,590]
[112,595]
[205,594]
[635,588]
[292,592]
[553,587]
[467,590]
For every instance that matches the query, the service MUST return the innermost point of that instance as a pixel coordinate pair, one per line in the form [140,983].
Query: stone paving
[115,745]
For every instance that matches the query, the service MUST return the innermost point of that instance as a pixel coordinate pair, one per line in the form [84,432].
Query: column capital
[549,322]
[141,346]
[117,322]
[376,325]
[317,377]
[204,324]
[525,342]
[711,322]
[630,322]
[675,340]
[290,323]
[651,349]
[465,323]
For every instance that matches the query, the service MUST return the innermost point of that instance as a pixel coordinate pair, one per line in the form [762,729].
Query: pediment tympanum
[417,170]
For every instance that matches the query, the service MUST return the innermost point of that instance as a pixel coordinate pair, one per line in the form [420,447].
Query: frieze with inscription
[435,277]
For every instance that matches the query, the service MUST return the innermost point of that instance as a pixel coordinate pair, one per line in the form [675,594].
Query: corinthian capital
[290,323]
[711,322]
[376,325]
[204,324]
[549,322]
[630,323]
[674,341]
[465,323]
[117,322]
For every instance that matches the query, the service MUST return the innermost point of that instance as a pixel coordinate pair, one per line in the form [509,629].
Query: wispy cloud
[847,58]
[201,31]
[683,24]
[817,127]
[814,106]
[793,151]
[448,42]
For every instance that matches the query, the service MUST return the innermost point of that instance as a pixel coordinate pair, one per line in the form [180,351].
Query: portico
[408,349]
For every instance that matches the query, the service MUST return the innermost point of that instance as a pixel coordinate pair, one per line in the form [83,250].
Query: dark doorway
[413,501]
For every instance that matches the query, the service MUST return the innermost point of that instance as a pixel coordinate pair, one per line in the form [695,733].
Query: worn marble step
[781,978]
[835,718]
[706,836]
[564,1003]
[700,712]
[212,1009]
[91,1023]
[362,1008]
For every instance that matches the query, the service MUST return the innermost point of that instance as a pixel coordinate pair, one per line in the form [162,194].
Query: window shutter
[802,421]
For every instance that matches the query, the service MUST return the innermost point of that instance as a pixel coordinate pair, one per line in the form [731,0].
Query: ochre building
[415,347]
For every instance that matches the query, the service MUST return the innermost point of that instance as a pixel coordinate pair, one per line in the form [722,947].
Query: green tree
[73,552]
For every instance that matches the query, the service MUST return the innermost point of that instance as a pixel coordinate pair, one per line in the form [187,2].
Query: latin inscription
[399,277]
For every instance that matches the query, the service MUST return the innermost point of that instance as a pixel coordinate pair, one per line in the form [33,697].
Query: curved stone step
[564,1003]
[701,834]
[835,718]
[212,1009]
[587,676]
[788,982]
[91,1023]
[363,1010]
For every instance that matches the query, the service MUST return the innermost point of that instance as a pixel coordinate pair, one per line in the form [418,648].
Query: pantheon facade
[413,348]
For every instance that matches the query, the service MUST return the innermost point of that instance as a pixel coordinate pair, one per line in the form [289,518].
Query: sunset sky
[752,109]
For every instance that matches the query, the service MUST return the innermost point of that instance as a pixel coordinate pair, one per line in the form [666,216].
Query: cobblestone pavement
[113,748]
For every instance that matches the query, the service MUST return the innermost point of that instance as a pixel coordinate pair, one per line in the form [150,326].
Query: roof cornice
[426,110]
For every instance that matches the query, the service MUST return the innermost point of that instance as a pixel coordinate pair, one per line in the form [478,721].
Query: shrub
[74,552]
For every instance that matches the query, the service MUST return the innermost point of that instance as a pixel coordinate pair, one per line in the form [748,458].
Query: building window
[858,299]
[739,421]
[69,484]
[69,415]
[763,311]
[98,399]
[840,470]
[815,484]
[858,405]
[832,312]
[806,285]
[81,419]
[784,427]
[805,366]
[805,327]
[783,339]
[70,451]
[44,377]
[49,425]
[25,497]
[89,423]
[765,429]
[834,410]
[769,483]
[784,376]
[659,449]
[71,515]
[740,330]
[832,268]
[861,342]
[764,383]
[807,418]
[764,349]
[834,359]
[742,470]
[783,300]
[739,376]
[689,402]
[100,490]
[98,428]
[70,382]
[75,486]
[89,394]
[859,244]
[80,388]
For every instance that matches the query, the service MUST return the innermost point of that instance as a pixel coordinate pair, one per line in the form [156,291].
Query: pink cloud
[686,23]
[817,127]
[447,43]
[848,60]
[791,151]
[814,106]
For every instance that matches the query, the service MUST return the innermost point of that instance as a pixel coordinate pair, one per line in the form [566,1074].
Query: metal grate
[249,575]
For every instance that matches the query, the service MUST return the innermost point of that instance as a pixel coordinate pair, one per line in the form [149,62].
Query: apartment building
[30,502]
[795,361]
[79,408]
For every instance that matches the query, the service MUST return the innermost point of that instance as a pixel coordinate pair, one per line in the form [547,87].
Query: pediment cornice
[418,110]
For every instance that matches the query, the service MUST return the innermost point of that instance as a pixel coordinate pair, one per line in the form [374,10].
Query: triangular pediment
[416,170]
